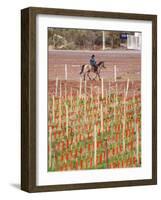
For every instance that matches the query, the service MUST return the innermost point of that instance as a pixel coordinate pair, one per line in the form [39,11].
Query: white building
[134,41]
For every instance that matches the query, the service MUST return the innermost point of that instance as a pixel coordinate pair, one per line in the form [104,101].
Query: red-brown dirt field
[128,63]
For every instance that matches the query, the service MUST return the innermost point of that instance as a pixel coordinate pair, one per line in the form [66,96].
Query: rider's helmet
[93,56]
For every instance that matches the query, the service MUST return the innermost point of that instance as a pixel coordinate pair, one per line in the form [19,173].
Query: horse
[86,69]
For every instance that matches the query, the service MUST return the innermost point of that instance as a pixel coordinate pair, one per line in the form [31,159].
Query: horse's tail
[82,69]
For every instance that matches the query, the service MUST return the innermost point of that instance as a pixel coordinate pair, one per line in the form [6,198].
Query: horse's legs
[99,75]
[84,76]
[88,76]
[95,77]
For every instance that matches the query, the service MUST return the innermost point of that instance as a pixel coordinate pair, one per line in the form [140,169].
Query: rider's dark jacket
[93,62]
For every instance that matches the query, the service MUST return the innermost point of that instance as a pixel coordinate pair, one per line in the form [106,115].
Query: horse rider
[93,62]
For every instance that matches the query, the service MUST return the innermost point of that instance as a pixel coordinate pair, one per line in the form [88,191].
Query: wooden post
[102,87]
[85,87]
[60,113]
[85,107]
[114,107]
[136,130]
[137,144]
[92,105]
[52,152]
[98,97]
[124,120]
[56,93]
[65,91]
[109,90]
[106,100]
[53,109]
[77,102]
[85,99]
[60,92]
[101,118]
[66,107]
[91,102]
[66,73]
[134,109]
[80,88]
[116,93]
[71,98]
[115,73]
[91,91]
[95,145]
[127,87]
[103,40]
[106,97]
[50,147]
[115,101]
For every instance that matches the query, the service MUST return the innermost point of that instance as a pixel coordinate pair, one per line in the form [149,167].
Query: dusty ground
[128,64]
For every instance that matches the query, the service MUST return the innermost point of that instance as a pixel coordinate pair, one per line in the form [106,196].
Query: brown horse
[86,69]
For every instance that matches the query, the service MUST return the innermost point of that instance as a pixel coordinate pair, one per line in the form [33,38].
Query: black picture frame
[28,98]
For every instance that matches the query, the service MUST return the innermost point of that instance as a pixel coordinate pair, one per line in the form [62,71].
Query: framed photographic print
[88,99]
